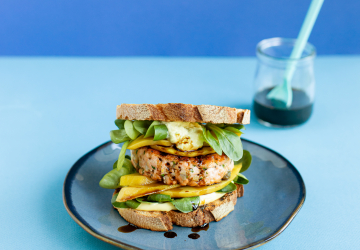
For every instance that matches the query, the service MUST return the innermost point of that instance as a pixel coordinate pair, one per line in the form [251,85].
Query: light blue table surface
[54,110]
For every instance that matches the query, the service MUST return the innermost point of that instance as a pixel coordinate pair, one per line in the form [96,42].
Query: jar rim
[276,42]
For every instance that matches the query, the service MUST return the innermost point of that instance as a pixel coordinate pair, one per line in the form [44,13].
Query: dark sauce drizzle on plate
[204,227]
[127,228]
[194,236]
[131,228]
[170,234]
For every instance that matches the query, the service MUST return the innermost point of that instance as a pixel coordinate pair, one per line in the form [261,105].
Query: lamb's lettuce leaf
[161,132]
[142,126]
[246,161]
[230,143]
[229,188]
[210,139]
[121,158]
[118,204]
[120,123]
[186,205]
[151,131]
[159,197]
[241,179]
[132,203]
[130,130]
[118,136]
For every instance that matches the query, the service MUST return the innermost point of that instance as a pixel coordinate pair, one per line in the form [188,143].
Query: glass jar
[273,57]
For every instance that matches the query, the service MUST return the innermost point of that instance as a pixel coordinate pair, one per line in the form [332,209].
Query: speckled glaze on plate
[273,197]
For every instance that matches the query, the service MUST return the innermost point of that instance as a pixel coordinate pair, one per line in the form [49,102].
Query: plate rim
[131,247]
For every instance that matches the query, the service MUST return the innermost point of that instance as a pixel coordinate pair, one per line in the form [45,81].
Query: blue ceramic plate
[272,198]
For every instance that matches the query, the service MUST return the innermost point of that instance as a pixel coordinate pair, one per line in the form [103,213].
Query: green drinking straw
[283,92]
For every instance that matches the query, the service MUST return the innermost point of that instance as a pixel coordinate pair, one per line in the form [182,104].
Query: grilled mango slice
[142,142]
[181,192]
[202,151]
[129,193]
[135,180]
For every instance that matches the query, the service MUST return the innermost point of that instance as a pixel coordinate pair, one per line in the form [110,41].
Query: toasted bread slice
[163,221]
[183,112]
[153,220]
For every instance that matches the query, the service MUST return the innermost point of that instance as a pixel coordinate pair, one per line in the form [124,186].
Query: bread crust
[183,112]
[163,221]
[153,220]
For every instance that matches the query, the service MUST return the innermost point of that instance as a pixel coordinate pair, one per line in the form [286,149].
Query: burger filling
[171,169]
[175,165]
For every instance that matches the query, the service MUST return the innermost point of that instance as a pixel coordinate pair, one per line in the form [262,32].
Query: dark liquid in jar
[298,113]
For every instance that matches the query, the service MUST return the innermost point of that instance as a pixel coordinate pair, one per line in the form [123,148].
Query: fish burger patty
[171,169]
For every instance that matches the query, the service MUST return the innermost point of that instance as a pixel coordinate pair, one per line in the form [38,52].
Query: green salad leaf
[185,205]
[122,154]
[241,179]
[142,126]
[132,204]
[209,138]
[130,130]
[229,188]
[161,132]
[120,123]
[214,142]
[118,204]
[111,180]
[159,197]
[119,136]
[142,199]
[230,143]
[237,126]
[246,161]
[151,131]
[128,166]
[234,130]
[127,204]
[113,198]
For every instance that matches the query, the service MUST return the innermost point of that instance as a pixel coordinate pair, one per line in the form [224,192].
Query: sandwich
[185,164]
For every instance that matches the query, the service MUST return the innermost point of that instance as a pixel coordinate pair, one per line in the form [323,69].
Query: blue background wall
[169,27]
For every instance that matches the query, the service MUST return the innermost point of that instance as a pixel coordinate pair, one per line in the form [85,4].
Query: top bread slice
[183,112]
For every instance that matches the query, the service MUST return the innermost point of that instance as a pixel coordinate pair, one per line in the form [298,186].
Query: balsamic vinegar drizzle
[194,236]
[131,228]
[127,228]
[204,227]
[170,234]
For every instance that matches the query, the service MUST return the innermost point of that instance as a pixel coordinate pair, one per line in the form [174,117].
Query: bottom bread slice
[163,221]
